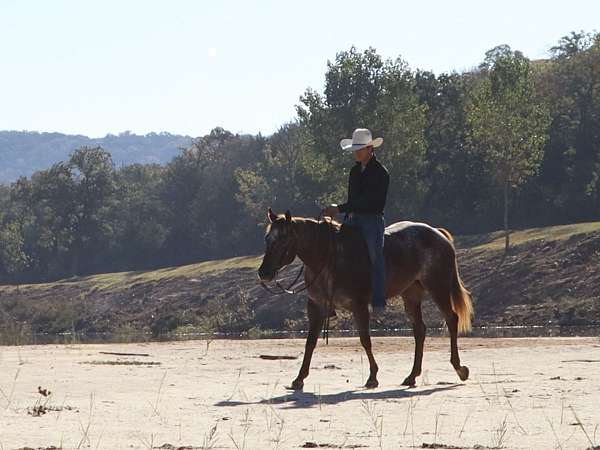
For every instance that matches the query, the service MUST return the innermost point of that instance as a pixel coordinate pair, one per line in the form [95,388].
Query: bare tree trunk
[506,231]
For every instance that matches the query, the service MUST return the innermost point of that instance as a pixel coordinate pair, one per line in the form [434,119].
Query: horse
[418,259]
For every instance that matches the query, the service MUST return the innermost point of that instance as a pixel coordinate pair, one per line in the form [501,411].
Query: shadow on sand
[300,399]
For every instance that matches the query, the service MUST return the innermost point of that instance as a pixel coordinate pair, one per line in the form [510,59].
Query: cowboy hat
[361,138]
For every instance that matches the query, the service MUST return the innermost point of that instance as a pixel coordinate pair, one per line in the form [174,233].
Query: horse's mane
[322,223]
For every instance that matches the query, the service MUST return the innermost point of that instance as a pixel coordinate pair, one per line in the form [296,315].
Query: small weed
[500,434]
[9,397]
[155,407]
[412,402]
[241,444]
[558,444]
[580,425]
[85,440]
[210,438]
[375,418]
[464,424]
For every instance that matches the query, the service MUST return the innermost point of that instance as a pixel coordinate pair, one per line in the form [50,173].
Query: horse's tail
[461,297]
[461,302]
[446,233]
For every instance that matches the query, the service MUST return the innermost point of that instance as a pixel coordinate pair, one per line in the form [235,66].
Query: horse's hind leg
[442,297]
[412,304]
[361,317]
[315,323]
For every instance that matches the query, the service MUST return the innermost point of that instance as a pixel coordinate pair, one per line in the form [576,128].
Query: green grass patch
[121,280]
[495,240]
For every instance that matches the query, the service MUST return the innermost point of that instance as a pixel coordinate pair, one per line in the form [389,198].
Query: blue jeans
[372,227]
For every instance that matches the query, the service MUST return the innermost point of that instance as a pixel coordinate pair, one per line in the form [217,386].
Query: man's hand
[330,211]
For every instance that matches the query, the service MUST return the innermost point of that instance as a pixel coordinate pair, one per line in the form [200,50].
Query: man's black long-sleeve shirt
[367,189]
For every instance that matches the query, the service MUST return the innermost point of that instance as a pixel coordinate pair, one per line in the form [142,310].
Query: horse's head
[280,244]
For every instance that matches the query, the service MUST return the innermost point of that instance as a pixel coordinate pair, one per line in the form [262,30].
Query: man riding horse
[414,258]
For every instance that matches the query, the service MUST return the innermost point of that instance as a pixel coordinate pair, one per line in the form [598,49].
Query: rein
[330,298]
[283,290]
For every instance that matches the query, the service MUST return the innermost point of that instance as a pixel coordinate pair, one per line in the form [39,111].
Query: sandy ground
[523,393]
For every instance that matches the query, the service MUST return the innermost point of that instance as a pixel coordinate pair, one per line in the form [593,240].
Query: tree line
[513,143]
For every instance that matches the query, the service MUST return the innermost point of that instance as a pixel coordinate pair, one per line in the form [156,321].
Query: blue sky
[98,67]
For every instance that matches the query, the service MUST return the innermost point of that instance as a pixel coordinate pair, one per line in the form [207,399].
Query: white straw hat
[360,138]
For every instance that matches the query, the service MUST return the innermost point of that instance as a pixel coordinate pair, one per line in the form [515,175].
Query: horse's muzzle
[265,275]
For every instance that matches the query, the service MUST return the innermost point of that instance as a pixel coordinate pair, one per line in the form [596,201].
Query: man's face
[364,154]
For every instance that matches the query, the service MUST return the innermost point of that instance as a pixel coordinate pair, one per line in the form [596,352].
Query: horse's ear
[271,215]
[288,216]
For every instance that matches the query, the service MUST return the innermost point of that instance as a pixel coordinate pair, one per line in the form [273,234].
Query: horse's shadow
[300,399]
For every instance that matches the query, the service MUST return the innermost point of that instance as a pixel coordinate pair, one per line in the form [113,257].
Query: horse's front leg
[316,317]
[361,318]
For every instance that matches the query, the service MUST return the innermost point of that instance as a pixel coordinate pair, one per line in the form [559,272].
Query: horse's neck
[314,243]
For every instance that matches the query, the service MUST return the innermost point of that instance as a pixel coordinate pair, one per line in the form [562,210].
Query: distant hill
[24,152]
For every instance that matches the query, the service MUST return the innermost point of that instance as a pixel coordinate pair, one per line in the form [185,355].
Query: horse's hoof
[463,373]
[408,381]
[297,385]
[371,384]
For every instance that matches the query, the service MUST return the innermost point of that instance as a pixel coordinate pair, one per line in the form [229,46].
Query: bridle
[289,290]
[283,290]
[331,253]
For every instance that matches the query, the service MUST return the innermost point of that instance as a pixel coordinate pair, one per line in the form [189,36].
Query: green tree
[139,217]
[199,191]
[457,187]
[363,90]
[94,176]
[507,123]
[55,208]
[12,251]
[281,178]
[571,82]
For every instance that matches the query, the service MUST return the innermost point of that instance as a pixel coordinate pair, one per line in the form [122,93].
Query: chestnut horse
[418,258]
